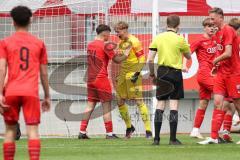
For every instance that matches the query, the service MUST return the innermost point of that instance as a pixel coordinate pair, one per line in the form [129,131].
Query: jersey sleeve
[184,46]
[3,52]
[43,55]
[228,35]
[138,49]
[109,50]
[194,46]
[153,45]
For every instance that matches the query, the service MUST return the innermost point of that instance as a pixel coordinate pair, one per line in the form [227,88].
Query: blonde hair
[235,23]
[121,25]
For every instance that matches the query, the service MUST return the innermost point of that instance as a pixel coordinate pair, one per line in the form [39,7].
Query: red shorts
[205,87]
[221,85]
[230,100]
[234,86]
[30,107]
[100,90]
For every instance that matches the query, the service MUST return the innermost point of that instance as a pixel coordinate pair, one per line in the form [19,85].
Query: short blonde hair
[207,22]
[121,25]
[235,23]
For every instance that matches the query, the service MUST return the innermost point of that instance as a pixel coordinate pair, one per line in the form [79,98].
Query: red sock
[34,147]
[217,119]
[199,118]
[227,123]
[109,126]
[84,125]
[8,150]
[221,119]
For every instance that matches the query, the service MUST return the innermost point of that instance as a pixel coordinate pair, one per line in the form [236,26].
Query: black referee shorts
[169,83]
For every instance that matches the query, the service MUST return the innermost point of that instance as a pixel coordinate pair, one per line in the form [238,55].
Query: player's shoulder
[27,36]
[228,28]
[168,34]
[95,43]
[35,38]
[202,39]
[133,38]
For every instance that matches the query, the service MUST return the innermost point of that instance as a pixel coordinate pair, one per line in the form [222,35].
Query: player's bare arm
[45,84]
[118,58]
[185,67]
[150,61]
[3,71]
[187,55]
[227,54]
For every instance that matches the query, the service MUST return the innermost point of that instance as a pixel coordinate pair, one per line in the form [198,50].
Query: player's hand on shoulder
[46,104]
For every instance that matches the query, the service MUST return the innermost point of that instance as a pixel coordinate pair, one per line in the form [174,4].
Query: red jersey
[206,50]
[24,54]
[228,36]
[239,44]
[98,58]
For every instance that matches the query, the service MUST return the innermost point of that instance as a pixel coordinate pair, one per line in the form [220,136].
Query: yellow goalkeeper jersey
[136,56]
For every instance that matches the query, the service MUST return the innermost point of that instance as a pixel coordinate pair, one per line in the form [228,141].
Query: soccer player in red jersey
[25,57]
[226,83]
[235,23]
[100,52]
[206,50]
[18,130]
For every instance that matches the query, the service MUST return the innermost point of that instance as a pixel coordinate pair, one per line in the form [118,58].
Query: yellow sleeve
[138,49]
[153,44]
[137,46]
[185,48]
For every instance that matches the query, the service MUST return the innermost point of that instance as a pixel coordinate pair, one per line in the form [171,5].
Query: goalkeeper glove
[134,78]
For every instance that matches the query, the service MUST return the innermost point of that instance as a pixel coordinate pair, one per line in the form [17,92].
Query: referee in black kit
[170,48]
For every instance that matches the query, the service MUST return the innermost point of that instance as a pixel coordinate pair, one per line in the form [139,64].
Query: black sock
[158,123]
[173,121]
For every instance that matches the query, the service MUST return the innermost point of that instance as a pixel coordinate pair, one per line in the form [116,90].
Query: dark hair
[102,27]
[21,15]
[207,22]
[217,10]
[173,21]
[235,23]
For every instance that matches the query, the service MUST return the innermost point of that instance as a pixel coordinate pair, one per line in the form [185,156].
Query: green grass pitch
[132,149]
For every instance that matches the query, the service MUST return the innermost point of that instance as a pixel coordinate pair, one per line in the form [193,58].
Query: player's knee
[10,133]
[218,103]
[121,102]
[32,132]
[203,105]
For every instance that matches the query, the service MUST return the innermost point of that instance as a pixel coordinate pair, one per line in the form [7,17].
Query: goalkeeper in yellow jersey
[129,81]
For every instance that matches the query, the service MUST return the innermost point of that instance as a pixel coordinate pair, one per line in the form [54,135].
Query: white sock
[83,132]
[195,129]
[109,133]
